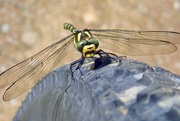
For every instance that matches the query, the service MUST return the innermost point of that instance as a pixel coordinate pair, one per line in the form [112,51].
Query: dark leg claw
[67,89]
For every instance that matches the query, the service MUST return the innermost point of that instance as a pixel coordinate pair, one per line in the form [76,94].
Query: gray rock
[115,90]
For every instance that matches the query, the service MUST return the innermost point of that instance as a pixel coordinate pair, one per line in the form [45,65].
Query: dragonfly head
[88,47]
[85,43]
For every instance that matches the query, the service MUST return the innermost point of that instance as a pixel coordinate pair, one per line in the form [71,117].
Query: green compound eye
[80,45]
[94,41]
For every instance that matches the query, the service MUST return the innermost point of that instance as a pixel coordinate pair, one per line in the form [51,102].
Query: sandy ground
[27,26]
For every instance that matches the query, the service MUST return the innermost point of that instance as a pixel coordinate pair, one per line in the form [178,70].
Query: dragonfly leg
[100,52]
[80,62]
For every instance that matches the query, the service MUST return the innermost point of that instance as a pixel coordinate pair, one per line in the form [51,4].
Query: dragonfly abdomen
[70,27]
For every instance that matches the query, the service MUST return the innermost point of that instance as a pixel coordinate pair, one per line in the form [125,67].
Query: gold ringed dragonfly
[25,75]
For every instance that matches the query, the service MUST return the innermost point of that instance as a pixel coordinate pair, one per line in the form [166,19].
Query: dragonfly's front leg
[80,62]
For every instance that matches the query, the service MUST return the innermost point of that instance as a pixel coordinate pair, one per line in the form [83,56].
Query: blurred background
[28,26]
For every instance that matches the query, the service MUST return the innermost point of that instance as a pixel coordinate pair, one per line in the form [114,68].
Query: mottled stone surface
[126,90]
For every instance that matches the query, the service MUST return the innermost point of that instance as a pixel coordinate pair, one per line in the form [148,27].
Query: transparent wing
[27,73]
[128,42]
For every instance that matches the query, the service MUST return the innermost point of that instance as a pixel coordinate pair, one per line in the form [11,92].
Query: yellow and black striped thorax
[83,41]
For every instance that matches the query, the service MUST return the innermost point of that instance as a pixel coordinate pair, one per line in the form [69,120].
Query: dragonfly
[26,74]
